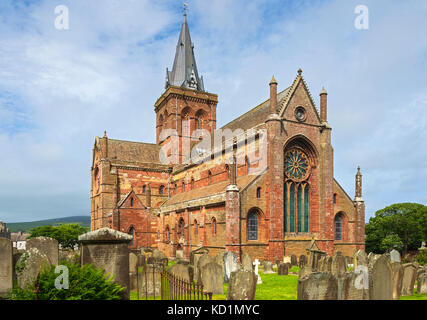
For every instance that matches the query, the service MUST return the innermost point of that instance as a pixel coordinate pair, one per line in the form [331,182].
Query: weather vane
[185,7]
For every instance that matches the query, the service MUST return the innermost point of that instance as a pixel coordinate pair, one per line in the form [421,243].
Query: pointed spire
[184,71]
[273,80]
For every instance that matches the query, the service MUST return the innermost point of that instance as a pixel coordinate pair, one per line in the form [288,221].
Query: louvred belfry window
[296,191]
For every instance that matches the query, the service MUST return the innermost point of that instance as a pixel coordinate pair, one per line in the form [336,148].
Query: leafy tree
[401,225]
[66,234]
[85,283]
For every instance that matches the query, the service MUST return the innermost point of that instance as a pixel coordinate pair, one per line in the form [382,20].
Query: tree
[66,234]
[401,225]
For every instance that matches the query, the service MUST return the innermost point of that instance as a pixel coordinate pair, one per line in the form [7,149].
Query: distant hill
[84,221]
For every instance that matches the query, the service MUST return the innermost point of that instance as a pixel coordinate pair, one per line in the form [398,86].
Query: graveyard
[148,274]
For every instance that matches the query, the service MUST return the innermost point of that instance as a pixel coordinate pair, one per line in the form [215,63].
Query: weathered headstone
[247,262]
[339,267]
[182,271]
[318,286]
[30,265]
[294,260]
[133,271]
[150,280]
[380,279]
[6,266]
[394,256]
[360,258]
[397,271]
[108,249]
[282,269]
[230,265]
[211,277]
[46,245]
[195,256]
[179,254]
[422,283]
[302,261]
[409,276]
[268,267]
[351,287]
[219,260]
[242,285]
[159,257]
[202,261]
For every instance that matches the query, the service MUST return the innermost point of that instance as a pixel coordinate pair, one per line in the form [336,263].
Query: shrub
[85,283]
[421,258]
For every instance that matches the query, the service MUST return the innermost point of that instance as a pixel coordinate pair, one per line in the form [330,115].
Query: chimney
[273,96]
[324,106]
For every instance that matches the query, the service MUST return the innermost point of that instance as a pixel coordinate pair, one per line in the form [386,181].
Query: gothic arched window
[252,225]
[196,228]
[181,227]
[161,189]
[214,226]
[210,177]
[338,227]
[186,125]
[132,233]
[296,191]
[258,193]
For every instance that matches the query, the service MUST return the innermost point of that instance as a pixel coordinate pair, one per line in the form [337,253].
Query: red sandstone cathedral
[266,186]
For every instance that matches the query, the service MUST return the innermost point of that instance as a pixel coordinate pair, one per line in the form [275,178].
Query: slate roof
[257,115]
[210,190]
[133,151]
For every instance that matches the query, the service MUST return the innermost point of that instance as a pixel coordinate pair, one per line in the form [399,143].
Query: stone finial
[299,71]
[105,134]
[273,81]
[323,91]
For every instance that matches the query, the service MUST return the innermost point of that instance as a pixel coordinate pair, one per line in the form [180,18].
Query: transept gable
[298,105]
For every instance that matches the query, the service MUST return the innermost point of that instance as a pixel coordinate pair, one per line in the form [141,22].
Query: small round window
[300,114]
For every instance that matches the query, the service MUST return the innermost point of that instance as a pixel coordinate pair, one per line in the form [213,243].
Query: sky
[59,89]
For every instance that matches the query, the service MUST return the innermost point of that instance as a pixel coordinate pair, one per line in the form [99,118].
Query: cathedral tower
[185,106]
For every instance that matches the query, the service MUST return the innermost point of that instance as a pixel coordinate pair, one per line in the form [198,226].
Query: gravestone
[282,269]
[287,260]
[158,257]
[328,264]
[422,283]
[195,256]
[318,286]
[322,264]
[6,266]
[409,276]
[218,260]
[397,271]
[242,285]
[351,287]
[30,265]
[360,259]
[302,261]
[256,263]
[268,267]
[230,265]
[338,267]
[179,254]
[202,261]
[133,271]
[150,280]
[211,278]
[15,258]
[394,256]
[70,255]
[182,271]
[46,245]
[247,262]
[294,261]
[108,249]
[380,279]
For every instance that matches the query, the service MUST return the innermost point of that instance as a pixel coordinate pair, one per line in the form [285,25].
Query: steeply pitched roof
[184,71]
[133,151]
[255,116]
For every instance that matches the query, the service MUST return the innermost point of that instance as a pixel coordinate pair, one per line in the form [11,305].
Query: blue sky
[60,89]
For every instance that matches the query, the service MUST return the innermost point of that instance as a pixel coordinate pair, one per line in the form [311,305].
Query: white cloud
[59,89]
